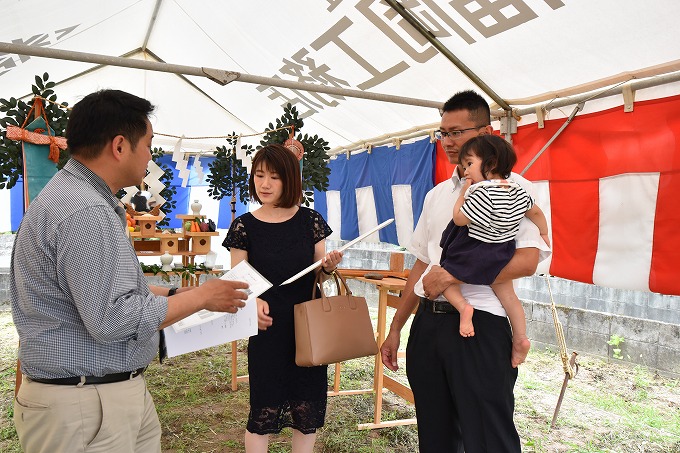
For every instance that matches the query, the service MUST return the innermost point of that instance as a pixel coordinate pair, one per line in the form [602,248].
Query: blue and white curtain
[365,189]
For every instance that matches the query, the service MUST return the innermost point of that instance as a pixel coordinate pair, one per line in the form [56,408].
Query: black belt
[84,380]
[435,306]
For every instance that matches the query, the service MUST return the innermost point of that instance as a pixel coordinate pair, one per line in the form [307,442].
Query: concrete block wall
[635,304]
[653,344]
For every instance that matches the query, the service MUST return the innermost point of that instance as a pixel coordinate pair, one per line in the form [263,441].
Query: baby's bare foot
[520,349]
[467,329]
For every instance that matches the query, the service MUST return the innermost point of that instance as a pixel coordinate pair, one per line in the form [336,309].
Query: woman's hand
[263,318]
[330,262]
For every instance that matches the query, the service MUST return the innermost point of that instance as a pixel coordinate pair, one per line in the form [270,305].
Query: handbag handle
[338,278]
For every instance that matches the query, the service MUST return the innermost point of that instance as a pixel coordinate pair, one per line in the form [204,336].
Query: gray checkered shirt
[80,301]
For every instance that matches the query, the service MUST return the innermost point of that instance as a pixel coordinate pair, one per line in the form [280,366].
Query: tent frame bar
[612,91]
[393,138]
[497,114]
[220,76]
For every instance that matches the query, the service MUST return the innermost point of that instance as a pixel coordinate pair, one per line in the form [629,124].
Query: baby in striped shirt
[479,240]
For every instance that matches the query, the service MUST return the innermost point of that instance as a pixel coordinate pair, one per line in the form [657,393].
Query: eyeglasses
[454,135]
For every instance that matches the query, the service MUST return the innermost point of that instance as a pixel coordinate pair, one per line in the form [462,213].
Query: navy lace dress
[281,393]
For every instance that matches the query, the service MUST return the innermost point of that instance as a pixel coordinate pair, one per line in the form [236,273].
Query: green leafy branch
[227,175]
[229,178]
[184,272]
[315,169]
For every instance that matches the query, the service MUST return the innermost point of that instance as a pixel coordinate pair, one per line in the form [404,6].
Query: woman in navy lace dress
[280,239]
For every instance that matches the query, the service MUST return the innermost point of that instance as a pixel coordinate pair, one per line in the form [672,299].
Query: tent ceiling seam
[210,38]
[427,34]
[152,23]
[87,71]
[194,86]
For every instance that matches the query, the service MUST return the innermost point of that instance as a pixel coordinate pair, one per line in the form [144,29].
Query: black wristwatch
[172,291]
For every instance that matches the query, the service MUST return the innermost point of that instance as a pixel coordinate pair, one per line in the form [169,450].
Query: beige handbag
[333,329]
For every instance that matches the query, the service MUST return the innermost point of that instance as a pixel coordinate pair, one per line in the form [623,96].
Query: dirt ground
[608,407]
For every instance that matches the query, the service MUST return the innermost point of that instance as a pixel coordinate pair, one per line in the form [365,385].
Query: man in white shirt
[463,387]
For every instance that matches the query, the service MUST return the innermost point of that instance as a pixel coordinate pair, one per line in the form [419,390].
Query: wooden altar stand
[389,288]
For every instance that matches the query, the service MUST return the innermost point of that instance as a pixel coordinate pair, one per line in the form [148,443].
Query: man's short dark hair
[102,115]
[476,105]
[281,160]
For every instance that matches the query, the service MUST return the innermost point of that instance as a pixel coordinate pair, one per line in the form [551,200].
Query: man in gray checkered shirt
[88,322]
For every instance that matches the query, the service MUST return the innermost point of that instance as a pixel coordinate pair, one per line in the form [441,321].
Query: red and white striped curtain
[610,187]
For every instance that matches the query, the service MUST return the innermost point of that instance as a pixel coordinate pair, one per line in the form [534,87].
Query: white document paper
[344,247]
[223,329]
[215,328]
[243,272]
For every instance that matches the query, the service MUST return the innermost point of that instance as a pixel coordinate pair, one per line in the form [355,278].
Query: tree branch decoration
[228,177]
[16,111]
[185,272]
[315,169]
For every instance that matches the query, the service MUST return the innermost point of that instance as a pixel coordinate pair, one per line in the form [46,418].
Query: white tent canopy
[519,49]
[534,59]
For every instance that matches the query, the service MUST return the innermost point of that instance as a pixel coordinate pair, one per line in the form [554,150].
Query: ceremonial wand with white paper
[344,247]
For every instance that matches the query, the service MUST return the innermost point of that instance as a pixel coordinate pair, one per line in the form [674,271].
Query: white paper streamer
[154,184]
[198,167]
[180,162]
[177,153]
[240,153]
[129,193]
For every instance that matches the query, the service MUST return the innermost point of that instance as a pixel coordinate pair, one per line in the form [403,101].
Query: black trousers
[463,387]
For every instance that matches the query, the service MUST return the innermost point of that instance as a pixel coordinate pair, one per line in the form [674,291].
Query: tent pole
[578,108]
[427,34]
[217,75]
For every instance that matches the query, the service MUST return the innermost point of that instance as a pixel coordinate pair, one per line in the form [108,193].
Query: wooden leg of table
[336,385]
[336,380]
[234,366]
[381,382]
[378,376]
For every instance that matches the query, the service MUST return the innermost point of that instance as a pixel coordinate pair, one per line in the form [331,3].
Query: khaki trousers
[119,417]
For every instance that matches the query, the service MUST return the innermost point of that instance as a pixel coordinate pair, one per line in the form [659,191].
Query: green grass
[608,407]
